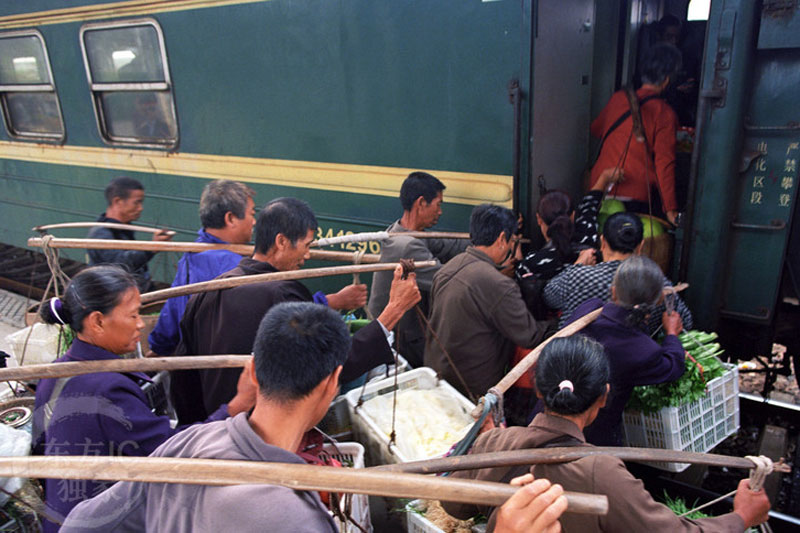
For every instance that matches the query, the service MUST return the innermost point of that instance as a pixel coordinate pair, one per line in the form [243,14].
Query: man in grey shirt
[421,198]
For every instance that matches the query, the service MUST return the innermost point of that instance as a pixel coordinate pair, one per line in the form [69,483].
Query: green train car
[335,102]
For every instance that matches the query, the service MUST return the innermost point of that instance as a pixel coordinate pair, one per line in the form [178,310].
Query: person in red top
[620,148]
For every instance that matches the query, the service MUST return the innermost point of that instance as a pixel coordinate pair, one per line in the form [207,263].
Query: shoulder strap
[47,415]
[622,118]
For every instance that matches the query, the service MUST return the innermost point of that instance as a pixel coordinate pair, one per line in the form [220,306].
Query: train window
[29,101]
[126,64]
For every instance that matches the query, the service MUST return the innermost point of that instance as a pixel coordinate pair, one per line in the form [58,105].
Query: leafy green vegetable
[692,384]
[65,338]
[679,507]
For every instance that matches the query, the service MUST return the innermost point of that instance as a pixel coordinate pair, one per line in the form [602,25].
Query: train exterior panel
[333,103]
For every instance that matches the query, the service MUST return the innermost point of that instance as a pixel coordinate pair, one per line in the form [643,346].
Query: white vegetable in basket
[427,422]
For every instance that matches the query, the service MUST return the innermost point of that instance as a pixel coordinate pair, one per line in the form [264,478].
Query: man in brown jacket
[477,313]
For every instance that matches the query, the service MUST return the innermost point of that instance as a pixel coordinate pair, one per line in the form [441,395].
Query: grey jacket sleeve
[120,509]
[135,259]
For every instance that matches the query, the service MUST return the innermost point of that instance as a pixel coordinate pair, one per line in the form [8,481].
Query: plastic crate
[693,427]
[368,433]
[351,453]
[336,422]
[417,523]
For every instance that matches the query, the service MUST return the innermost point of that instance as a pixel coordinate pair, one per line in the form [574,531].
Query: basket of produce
[429,417]
[429,517]
[694,413]
[351,454]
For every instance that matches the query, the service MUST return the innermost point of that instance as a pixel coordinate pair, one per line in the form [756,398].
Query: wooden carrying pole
[561,455]
[529,360]
[237,281]
[167,246]
[295,476]
[150,364]
[110,225]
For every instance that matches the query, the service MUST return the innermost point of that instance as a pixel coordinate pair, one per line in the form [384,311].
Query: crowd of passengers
[483,304]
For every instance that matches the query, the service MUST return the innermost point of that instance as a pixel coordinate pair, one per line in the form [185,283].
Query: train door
[745,169]
[563,39]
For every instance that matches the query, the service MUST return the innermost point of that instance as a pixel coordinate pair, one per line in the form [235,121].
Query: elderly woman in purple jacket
[104,413]
[635,358]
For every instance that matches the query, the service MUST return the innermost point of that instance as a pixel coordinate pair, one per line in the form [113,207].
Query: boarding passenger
[421,198]
[634,357]
[103,413]
[125,197]
[299,352]
[477,314]
[649,165]
[570,239]
[225,321]
[622,238]
[227,213]
[572,377]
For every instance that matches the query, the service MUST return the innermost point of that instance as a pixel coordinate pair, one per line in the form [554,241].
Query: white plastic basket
[417,523]
[351,453]
[694,427]
[367,431]
[336,422]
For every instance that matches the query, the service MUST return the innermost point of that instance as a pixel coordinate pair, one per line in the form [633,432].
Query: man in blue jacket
[227,212]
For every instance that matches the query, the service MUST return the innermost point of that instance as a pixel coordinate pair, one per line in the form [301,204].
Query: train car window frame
[149,94]
[37,87]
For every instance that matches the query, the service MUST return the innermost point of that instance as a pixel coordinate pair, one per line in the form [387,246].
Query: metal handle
[774,225]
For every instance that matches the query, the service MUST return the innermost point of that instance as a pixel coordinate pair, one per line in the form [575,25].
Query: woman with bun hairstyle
[635,358]
[571,238]
[103,413]
[622,238]
[572,377]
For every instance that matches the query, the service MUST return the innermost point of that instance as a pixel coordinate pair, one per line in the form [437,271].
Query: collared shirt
[193,267]
[410,335]
[479,317]
[226,322]
[182,508]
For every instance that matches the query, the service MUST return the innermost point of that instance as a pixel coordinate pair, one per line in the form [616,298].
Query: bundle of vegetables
[679,507]
[702,365]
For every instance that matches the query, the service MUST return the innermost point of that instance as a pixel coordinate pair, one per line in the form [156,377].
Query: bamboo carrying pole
[167,246]
[150,364]
[529,360]
[563,455]
[110,225]
[227,283]
[295,476]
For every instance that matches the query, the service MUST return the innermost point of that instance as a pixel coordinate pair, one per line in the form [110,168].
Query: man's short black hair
[121,188]
[661,61]
[487,221]
[298,344]
[221,197]
[419,184]
[290,216]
